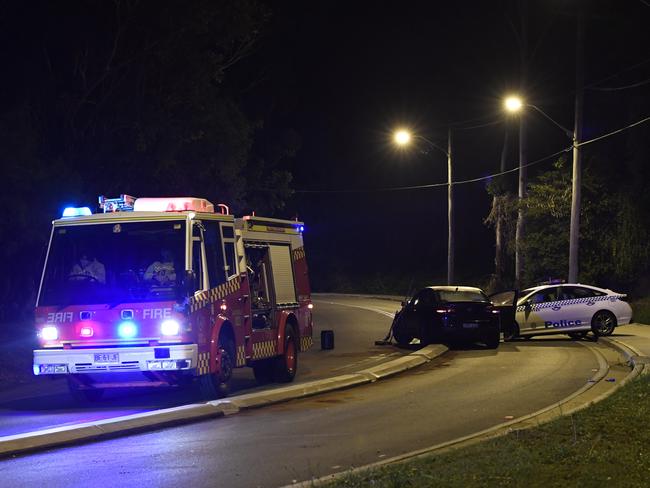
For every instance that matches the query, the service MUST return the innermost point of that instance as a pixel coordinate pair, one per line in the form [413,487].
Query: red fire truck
[160,291]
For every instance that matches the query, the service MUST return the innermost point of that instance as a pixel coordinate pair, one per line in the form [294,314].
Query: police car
[566,308]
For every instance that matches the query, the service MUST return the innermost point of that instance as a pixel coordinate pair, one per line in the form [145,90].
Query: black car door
[506,303]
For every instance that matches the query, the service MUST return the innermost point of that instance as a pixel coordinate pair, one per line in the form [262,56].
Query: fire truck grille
[94,368]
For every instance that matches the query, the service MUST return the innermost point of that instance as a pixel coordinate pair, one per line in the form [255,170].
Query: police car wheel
[603,323]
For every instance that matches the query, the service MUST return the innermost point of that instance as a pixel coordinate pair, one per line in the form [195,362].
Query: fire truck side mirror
[187,285]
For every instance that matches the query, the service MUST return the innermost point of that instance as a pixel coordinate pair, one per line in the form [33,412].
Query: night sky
[340,76]
[360,69]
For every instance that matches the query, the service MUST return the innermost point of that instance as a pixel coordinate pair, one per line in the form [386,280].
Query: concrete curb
[101,429]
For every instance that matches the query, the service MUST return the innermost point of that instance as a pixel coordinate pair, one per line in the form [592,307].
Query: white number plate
[107,357]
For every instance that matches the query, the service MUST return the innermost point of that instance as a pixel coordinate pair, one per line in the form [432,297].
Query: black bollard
[327,339]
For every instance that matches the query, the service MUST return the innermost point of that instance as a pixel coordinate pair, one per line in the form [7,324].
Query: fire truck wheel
[263,371]
[287,363]
[218,385]
[82,396]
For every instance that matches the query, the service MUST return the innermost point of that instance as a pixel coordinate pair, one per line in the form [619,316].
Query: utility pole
[450,215]
[521,193]
[574,232]
[497,203]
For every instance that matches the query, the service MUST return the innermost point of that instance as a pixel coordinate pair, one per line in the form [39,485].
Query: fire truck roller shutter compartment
[285,289]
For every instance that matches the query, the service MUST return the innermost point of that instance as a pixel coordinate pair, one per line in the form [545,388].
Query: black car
[448,314]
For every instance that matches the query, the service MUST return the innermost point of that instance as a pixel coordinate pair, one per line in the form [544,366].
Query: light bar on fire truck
[173,204]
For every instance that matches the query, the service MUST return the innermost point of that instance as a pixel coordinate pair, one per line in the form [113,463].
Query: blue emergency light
[76,211]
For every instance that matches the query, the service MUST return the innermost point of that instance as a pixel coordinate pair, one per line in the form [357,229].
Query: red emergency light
[173,204]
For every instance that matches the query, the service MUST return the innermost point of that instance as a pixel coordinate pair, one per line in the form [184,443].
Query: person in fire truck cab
[162,273]
[88,268]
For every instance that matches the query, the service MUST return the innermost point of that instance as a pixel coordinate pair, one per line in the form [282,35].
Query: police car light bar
[122,204]
[76,211]
[173,204]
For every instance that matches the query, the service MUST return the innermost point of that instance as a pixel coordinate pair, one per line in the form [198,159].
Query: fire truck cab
[162,291]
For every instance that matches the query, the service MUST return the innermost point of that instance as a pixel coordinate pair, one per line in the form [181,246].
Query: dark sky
[343,75]
[349,72]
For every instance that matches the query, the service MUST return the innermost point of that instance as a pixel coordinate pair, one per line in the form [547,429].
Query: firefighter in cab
[162,273]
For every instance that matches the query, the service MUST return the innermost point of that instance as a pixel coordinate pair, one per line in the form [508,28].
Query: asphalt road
[462,392]
[45,403]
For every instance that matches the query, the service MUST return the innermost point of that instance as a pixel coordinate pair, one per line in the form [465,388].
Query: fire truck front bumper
[115,360]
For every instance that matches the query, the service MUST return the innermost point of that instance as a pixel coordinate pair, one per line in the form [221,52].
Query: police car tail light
[170,327]
[444,310]
[49,333]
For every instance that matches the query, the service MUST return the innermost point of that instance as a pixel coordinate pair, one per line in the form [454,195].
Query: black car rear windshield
[462,296]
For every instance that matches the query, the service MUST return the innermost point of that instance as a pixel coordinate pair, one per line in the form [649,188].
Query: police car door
[541,311]
[577,306]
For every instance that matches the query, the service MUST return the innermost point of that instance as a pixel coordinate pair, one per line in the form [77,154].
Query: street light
[515,104]
[404,137]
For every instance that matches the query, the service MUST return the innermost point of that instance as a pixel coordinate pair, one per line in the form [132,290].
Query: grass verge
[607,444]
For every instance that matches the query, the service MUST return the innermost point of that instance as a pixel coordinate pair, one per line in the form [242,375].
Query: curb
[102,429]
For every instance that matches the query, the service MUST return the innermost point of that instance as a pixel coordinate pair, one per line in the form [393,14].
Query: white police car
[571,309]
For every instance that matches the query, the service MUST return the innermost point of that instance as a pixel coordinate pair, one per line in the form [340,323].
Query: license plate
[107,357]
[470,326]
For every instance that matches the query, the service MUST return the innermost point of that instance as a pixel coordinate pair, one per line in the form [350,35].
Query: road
[45,402]
[462,392]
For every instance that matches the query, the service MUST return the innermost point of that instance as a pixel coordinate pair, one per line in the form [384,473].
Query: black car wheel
[603,323]
[400,333]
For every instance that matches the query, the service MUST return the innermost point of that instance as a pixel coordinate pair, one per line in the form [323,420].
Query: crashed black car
[448,314]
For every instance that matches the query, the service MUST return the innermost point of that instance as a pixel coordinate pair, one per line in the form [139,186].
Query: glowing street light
[513,104]
[402,138]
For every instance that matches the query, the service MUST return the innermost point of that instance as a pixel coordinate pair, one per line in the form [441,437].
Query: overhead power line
[481,178]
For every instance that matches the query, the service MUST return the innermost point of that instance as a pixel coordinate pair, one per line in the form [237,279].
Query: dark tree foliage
[137,97]
[614,248]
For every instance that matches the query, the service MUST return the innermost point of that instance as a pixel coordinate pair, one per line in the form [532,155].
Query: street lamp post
[403,138]
[515,104]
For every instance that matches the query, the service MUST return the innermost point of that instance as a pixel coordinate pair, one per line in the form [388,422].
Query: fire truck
[165,291]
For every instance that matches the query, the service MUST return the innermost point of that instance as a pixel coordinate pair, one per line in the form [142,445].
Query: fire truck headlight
[49,333]
[170,327]
[127,330]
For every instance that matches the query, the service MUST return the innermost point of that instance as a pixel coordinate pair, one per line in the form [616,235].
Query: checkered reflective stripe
[306,342]
[561,303]
[204,363]
[205,298]
[241,356]
[264,349]
[298,254]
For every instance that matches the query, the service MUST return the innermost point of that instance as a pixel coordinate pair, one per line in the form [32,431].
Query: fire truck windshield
[114,263]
